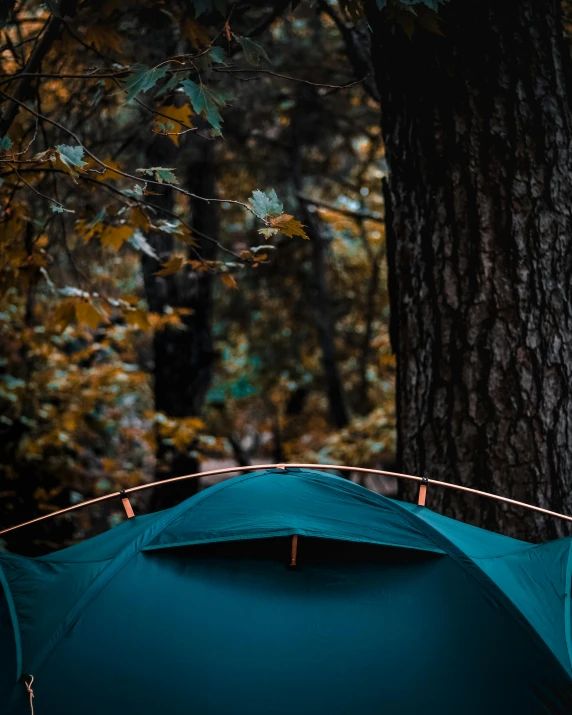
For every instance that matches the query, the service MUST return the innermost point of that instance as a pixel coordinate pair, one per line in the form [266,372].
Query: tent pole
[260,467]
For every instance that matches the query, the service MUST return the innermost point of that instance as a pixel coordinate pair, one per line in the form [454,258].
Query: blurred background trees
[145,332]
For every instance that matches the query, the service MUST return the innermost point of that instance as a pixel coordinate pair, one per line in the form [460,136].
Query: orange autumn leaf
[115,236]
[173,265]
[180,117]
[228,281]
[103,37]
[288,225]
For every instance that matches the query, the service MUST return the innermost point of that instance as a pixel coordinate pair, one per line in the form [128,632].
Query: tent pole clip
[422,491]
[126,504]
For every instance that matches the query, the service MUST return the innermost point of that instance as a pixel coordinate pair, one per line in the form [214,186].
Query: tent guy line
[425,482]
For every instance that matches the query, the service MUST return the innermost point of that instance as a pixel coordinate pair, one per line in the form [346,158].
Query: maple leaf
[265,204]
[115,236]
[181,117]
[288,225]
[204,102]
[228,280]
[173,265]
[87,314]
[143,79]
[268,232]
[71,157]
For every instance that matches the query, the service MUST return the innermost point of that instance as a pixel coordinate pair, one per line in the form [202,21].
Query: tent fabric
[393,609]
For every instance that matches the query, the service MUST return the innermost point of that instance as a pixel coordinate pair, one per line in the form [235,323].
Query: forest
[253,232]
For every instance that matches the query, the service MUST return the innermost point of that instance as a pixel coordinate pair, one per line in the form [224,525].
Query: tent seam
[453,551]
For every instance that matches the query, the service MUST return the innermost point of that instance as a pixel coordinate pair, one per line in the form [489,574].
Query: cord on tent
[28,680]
[422,491]
[126,504]
[294,552]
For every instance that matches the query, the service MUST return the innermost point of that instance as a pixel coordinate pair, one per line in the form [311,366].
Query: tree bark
[478,130]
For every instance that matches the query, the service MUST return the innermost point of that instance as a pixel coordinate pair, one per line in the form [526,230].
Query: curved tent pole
[256,467]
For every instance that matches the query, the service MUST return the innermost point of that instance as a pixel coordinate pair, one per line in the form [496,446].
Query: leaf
[103,37]
[228,280]
[268,232]
[173,265]
[181,117]
[253,52]
[143,79]
[203,102]
[5,143]
[115,236]
[217,55]
[265,204]
[139,219]
[166,175]
[139,242]
[87,314]
[71,157]
[160,173]
[138,318]
[288,225]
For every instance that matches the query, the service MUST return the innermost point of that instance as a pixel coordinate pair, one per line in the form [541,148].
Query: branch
[53,28]
[356,215]
[138,179]
[287,77]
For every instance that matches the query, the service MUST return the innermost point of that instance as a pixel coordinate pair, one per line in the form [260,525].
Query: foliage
[97,167]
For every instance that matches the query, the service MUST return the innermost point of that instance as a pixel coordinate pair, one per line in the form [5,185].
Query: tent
[389,609]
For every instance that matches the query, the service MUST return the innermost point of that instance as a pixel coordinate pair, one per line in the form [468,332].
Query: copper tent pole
[257,467]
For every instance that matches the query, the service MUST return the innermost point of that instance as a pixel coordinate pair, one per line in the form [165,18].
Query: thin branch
[232,70]
[356,215]
[137,179]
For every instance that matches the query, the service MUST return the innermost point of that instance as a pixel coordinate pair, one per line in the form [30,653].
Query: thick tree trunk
[478,131]
[183,358]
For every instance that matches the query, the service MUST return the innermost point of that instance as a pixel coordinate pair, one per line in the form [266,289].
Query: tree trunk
[183,358]
[478,130]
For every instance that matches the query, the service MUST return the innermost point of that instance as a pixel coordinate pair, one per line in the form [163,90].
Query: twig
[287,77]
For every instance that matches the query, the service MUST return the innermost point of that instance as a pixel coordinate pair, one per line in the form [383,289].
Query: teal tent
[391,609]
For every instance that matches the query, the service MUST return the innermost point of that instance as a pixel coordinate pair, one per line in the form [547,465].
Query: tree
[477,125]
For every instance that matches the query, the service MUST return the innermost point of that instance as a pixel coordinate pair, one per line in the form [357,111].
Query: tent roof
[48,594]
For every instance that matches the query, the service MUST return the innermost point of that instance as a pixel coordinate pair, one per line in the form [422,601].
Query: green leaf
[217,55]
[5,143]
[56,209]
[71,155]
[204,102]
[170,84]
[160,173]
[143,79]
[265,204]
[253,52]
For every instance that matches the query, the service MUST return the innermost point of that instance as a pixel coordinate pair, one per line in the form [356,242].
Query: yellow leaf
[103,37]
[115,236]
[139,219]
[228,280]
[173,265]
[180,117]
[87,314]
[138,319]
[63,315]
[289,226]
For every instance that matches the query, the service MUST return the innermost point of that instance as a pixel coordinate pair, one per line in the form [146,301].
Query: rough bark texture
[478,130]
[183,358]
